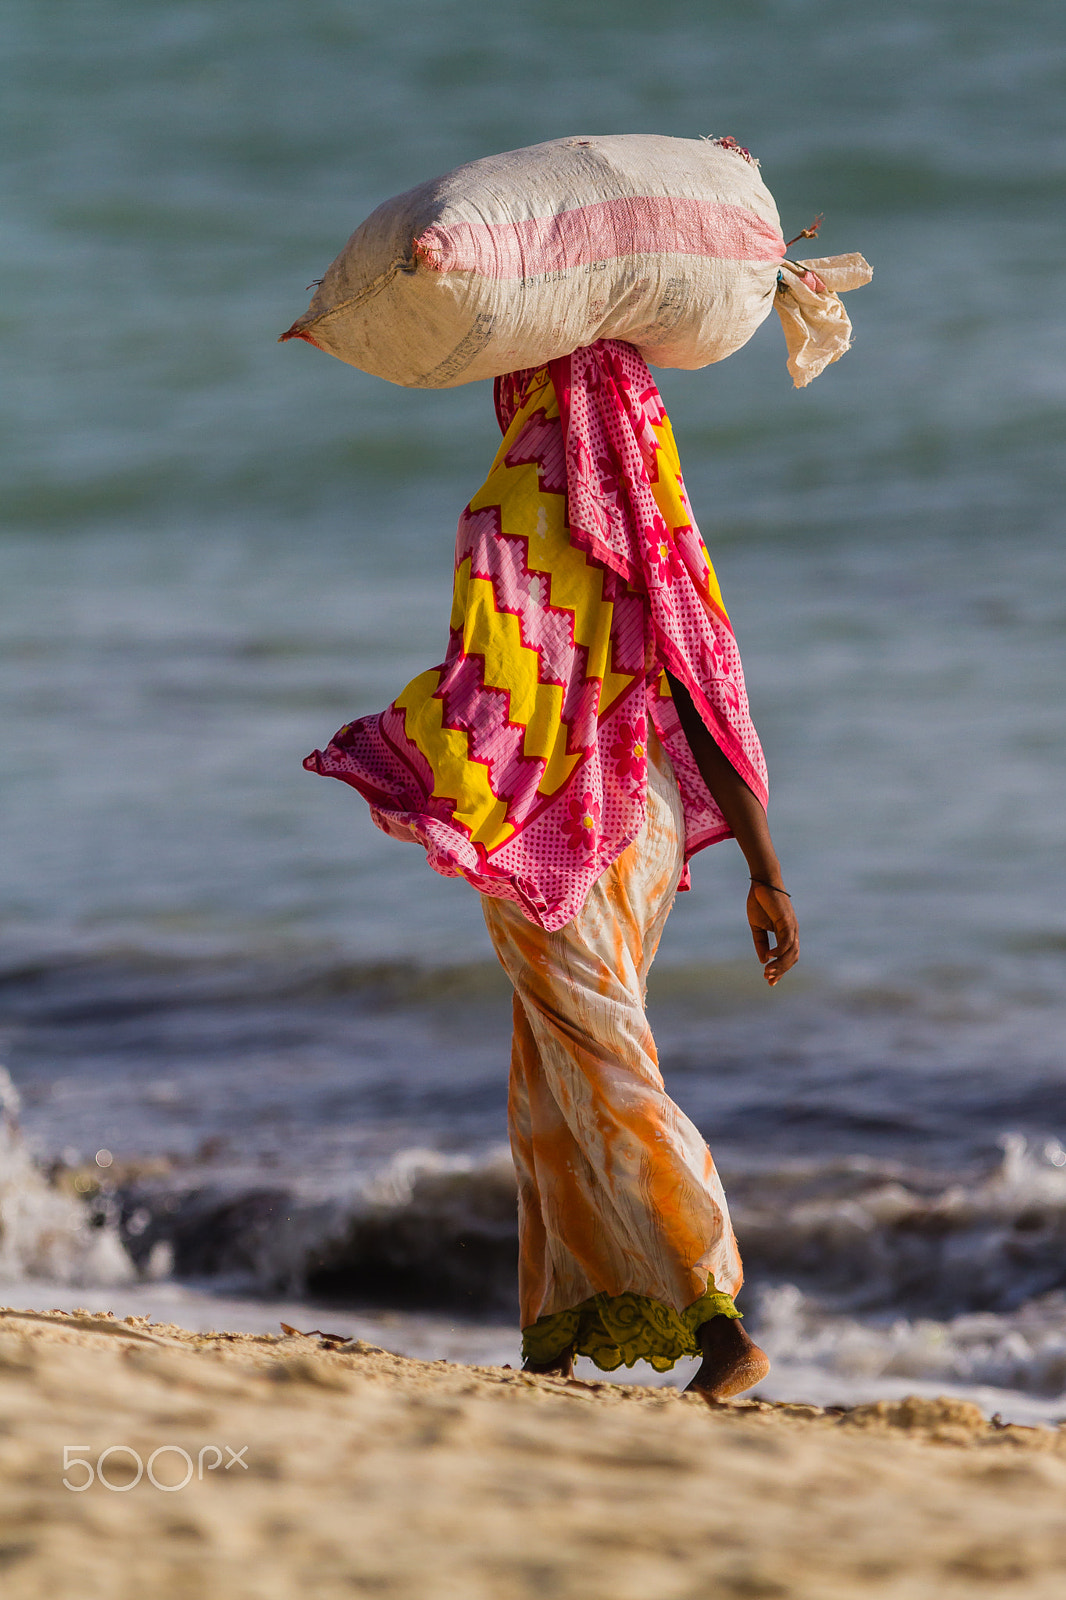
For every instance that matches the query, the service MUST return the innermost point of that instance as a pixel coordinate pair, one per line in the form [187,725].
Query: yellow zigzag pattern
[571,583]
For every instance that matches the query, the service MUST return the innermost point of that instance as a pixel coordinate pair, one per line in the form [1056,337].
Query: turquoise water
[215,549]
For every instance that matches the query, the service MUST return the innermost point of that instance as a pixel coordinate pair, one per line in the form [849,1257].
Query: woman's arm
[769,908]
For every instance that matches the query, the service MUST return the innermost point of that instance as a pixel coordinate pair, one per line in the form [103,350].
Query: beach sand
[350,1470]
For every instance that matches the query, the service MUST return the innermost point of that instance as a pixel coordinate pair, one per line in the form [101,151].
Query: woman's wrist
[764,868]
[777,888]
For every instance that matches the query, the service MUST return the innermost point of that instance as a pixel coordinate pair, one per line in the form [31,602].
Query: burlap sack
[671,244]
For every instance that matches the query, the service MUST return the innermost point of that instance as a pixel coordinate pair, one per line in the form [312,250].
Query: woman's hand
[770,911]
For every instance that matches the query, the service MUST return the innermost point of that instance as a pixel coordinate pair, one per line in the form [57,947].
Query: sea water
[285,1036]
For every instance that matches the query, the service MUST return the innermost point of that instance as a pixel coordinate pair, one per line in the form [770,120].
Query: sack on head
[671,244]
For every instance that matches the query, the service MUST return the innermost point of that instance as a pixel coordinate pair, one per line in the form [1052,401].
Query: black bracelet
[776,887]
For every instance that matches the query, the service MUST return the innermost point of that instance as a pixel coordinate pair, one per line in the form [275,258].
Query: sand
[352,1471]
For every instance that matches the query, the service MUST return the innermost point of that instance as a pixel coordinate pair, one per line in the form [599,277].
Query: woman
[587,732]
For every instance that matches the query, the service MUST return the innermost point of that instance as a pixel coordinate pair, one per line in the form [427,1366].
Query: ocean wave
[99,986]
[44,1232]
[868,1239]
[866,1246]
[1020,1351]
[436,1230]
[427,1230]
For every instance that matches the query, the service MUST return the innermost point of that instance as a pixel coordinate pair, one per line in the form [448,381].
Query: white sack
[671,244]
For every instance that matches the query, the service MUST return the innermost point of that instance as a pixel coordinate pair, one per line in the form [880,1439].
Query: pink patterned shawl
[605,444]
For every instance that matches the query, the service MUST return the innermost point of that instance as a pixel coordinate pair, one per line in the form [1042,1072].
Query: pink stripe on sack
[603,231]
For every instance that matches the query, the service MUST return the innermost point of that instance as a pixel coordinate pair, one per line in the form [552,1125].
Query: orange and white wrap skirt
[624,1235]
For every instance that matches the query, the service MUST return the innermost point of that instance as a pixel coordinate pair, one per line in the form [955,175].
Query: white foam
[1014,1363]
[43,1232]
[994,1240]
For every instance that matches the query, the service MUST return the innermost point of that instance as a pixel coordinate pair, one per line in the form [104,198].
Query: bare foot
[561,1367]
[731,1362]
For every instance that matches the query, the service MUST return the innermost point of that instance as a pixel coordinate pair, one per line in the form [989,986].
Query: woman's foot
[731,1361]
[562,1366]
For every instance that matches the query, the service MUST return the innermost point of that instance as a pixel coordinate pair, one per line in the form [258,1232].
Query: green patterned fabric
[620,1329]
